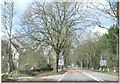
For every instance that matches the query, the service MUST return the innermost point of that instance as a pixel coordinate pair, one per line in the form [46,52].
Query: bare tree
[109,10]
[7,25]
[54,23]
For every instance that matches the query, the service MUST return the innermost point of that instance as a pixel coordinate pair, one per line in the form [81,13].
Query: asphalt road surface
[86,75]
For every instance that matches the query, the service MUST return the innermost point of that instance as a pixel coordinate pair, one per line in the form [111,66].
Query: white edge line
[62,76]
[93,77]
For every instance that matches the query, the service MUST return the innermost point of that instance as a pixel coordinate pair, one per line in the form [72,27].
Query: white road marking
[62,76]
[93,77]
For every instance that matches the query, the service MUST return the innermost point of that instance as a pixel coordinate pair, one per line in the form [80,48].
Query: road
[86,75]
[75,75]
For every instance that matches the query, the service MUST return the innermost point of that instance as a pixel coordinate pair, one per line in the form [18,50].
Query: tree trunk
[65,61]
[117,50]
[88,63]
[81,63]
[57,61]
[11,64]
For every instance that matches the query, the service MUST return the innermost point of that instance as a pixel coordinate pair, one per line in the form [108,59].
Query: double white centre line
[93,77]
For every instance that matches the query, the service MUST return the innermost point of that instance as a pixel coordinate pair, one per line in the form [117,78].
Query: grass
[110,72]
[47,73]
[31,79]
[41,74]
[4,78]
[107,72]
[34,78]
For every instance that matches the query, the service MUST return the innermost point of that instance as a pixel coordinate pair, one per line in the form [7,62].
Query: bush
[4,77]
[27,67]
[47,67]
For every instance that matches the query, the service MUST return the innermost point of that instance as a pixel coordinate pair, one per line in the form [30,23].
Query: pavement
[81,75]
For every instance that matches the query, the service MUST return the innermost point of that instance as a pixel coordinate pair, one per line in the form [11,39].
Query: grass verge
[47,73]
[33,78]
[110,72]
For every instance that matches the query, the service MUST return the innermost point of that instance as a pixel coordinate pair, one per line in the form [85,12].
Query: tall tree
[7,25]
[113,41]
[109,10]
[112,38]
[53,23]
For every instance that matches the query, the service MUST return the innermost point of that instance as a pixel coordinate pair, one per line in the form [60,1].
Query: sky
[21,6]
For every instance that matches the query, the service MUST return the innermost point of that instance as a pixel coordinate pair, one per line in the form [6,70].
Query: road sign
[61,61]
[103,62]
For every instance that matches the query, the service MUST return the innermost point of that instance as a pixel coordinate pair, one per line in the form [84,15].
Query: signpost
[61,63]
[103,63]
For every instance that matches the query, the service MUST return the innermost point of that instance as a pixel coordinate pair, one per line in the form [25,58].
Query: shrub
[47,67]
[27,67]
